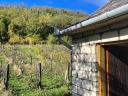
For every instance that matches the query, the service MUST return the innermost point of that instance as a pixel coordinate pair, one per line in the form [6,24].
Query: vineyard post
[7,77]
[39,73]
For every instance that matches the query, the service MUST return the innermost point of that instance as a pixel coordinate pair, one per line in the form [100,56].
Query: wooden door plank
[107,72]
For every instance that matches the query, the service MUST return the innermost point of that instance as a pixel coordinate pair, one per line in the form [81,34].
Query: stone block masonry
[84,70]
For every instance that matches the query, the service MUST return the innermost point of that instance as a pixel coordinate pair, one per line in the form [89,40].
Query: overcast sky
[87,6]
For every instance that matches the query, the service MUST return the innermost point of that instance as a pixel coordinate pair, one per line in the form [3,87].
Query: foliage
[15,39]
[4,36]
[24,23]
[31,39]
[51,39]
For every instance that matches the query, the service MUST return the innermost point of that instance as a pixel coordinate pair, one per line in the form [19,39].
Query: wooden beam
[101,70]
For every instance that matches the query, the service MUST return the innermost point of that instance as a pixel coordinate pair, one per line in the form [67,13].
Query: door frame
[101,61]
[102,53]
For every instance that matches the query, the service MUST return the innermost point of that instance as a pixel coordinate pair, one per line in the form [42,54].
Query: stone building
[100,52]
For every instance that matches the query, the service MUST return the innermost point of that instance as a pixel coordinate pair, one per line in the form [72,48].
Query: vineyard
[24,77]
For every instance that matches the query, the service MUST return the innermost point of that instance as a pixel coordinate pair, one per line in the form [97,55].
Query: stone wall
[84,70]
[84,61]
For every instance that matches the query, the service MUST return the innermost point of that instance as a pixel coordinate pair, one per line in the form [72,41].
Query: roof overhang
[104,19]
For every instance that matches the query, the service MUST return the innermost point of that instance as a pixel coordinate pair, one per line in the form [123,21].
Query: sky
[86,6]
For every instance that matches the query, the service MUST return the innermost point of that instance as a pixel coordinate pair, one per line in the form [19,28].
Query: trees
[20,24]
[4,36]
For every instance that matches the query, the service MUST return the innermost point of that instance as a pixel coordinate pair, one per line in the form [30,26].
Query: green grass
[24,86]
[54,60]
[52,92]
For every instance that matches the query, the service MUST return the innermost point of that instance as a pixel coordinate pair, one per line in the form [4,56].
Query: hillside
[23,75]
[32,25]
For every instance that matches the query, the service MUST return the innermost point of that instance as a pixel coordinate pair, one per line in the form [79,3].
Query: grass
[54,60]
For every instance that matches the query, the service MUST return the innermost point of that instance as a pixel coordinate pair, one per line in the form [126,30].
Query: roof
[113,8]
[112,4]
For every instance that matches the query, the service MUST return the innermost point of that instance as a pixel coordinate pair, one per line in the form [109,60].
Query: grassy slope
[54,59]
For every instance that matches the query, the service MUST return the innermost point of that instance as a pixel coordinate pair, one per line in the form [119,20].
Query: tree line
[33,25]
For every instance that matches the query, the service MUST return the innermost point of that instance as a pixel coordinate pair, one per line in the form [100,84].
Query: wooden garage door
[117,68]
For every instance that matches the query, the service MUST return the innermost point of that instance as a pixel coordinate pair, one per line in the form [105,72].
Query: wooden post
[39,73]
[100,52]
[7,78]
